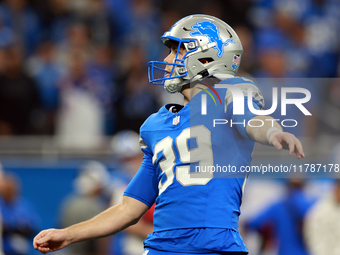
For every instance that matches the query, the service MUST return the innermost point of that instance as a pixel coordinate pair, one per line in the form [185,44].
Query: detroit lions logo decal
[210,30]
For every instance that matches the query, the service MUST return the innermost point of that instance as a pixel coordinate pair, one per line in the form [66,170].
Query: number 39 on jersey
[201,154]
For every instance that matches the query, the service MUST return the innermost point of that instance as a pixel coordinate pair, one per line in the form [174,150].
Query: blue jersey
[187,171]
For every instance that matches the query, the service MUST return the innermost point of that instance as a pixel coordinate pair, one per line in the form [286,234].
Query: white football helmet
[204,37]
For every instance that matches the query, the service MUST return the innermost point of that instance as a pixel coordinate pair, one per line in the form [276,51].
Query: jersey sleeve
[144,186]
[240,121]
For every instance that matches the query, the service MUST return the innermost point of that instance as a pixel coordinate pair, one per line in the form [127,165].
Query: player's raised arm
[271,134]
[111,221]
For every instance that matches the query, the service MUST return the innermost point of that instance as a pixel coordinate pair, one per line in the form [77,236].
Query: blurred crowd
[77,69]
[94,187]
[20,220]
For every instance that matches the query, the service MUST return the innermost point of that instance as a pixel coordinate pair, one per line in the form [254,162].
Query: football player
[187,151]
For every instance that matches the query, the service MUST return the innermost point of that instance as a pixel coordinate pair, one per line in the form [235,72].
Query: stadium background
[73,73]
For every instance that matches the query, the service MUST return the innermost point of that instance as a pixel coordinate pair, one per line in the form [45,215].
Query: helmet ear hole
[205,60]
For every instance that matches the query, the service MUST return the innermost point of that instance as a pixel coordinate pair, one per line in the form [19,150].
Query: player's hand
[51,240]
[288,141]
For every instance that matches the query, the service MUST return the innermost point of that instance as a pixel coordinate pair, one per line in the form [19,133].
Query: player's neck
[189,93]
[186,95]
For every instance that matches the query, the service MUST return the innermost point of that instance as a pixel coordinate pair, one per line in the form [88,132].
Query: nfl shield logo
[175,121]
